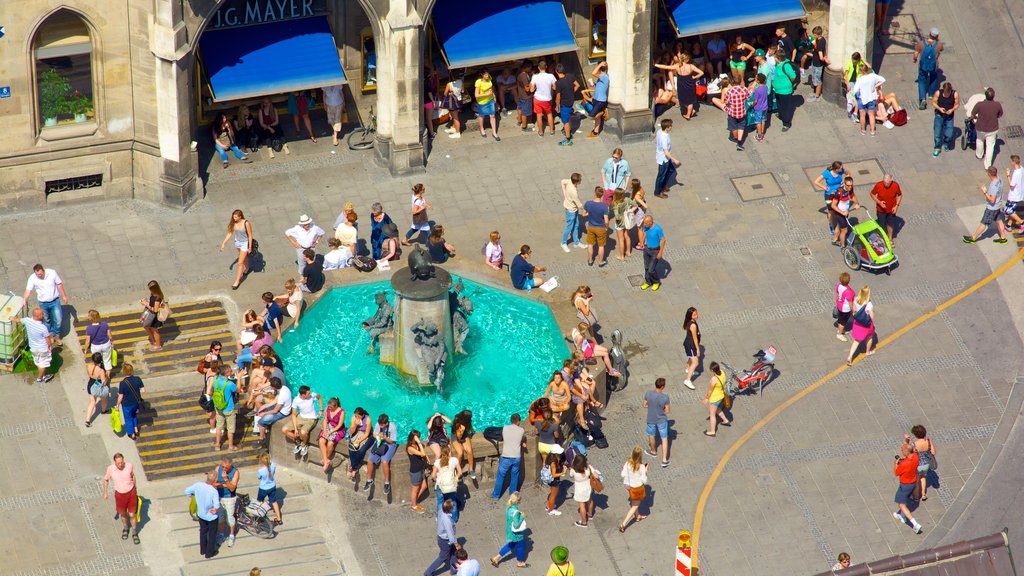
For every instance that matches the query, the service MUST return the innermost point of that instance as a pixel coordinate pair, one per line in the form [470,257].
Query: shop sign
[235,13]
[5,91]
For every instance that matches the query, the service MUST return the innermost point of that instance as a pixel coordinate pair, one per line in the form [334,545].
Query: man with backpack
[926,55]
[784,81]
[222,391]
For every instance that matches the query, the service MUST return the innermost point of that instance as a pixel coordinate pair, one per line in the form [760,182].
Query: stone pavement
[815,481]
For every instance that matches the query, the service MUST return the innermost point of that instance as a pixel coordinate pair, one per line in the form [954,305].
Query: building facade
[103,99]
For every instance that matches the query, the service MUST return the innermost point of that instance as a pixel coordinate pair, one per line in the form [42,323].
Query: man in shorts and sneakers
[222,393]
[906,471]
[542,86]
[385,439]
[657,404]
[600,98]
[524,100]
[887,196]
[993,208]
[1015,176]
[303,419]
[819,59]
[126,500]
[226,483]
[40,342]
[565,94]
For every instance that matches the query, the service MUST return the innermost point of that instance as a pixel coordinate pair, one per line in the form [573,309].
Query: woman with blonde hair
[634,476]
[291,300]
[581,299]
[239,230]
[622,209]
[446,474]
[98,338]
[863,324]
[515,525]
[582,337]
[268,485]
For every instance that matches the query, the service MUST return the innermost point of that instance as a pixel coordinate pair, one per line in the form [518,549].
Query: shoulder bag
[595,481]
[521,526]
[861,317]
[164,313]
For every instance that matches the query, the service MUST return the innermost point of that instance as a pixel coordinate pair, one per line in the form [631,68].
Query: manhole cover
[757,187]
[635,280]
[1014,131]
[864,172]
[805,251]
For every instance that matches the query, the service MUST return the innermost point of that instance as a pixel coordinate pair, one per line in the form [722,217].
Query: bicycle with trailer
[868,246]
[753,379]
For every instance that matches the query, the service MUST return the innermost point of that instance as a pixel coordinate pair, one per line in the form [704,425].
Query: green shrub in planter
[53,94]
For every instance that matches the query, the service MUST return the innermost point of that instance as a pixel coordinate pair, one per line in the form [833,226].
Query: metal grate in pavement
[1014,131]
[635,280]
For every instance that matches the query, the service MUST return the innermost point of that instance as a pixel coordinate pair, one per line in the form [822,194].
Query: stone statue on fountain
[382,321]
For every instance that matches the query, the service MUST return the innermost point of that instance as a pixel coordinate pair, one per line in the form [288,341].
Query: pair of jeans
[445,557]
[504,466]
[356,457]
[52,315]
[651,266]
[519,547]
[943,129]
[926,83]
[442,496]
[208,537]
[131,418]
[572,227]
[666,172]
[224,153]
[984,148]
[787,106]
[422,235]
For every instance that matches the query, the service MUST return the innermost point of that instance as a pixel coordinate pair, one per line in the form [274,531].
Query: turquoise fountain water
[513,347]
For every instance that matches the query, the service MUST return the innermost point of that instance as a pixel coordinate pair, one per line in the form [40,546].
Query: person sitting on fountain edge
[522,272]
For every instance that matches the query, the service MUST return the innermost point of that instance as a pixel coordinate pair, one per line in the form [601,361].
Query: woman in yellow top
[714,399]
[484,94]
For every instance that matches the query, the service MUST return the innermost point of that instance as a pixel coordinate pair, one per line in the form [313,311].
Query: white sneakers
[842,338]
[689,384]
[582,245]
[454,135]
[554,513]
[565,248]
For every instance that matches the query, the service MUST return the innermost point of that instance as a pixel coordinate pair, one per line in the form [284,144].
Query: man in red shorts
[542,86]
[126,501]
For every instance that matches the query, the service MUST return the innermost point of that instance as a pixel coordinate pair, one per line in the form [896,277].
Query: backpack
[545,475]
[219,401]
[575,449]
[898,118]
[928,57]
[364,263]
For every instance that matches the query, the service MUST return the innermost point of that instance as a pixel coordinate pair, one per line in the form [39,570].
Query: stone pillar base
[630,126]
[178,185]
[833,89]
[401,159]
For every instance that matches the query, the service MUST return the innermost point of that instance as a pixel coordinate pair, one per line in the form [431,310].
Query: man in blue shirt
[600,98]
[653,239]
[447,543]
[225,416]
[522,271]
[208,506]
[272,316]
[597,227]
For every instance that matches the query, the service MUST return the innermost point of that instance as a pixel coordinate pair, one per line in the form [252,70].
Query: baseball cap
[934,32]
[759,53]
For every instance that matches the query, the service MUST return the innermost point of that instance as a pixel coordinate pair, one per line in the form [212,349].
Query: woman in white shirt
[293,295]
[494,257]
[866,92]
[634,476]
[580,474]
[339,257]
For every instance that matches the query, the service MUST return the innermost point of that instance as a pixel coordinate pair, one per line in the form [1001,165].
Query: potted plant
[78,104]
[53,90]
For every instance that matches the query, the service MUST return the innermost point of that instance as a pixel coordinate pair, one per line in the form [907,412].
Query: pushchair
[868,246]
[970,136]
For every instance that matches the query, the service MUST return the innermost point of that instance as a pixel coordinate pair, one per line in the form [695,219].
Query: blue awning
[490,31]
[692,17]
[270,58]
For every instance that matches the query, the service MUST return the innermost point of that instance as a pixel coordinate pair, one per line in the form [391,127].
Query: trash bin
[12,334]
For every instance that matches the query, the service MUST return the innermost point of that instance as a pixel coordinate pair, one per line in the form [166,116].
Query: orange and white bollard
[684,562]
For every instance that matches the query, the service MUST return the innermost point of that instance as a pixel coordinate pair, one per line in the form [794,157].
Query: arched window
[62,50]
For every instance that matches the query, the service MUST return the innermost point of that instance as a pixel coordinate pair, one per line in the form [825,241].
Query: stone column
[178,182]
[851,28]
[399,98]
[630,24]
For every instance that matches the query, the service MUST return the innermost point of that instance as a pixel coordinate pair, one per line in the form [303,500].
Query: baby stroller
[252,517]
[970,136]
[868,246]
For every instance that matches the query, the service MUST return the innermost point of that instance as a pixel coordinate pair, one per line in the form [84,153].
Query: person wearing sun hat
[560,565]
[303,235]
[389,249]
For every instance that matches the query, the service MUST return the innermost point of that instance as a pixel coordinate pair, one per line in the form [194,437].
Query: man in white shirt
[1015,174]
[303,235]
[280,409]
[542,85]
[340,256]
[667,163]
[40,342]
[303,419]
[866,92]
[334,103]
[50,293]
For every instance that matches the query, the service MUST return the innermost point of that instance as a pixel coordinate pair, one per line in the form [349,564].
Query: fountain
[425,342]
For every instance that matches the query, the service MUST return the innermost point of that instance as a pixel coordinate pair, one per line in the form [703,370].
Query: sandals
[640,518]
[124,534]
[622,529]
[494,562]
[135,539]
[706,433]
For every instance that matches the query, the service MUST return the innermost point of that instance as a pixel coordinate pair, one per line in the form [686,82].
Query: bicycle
[252,517]
[754,378]
[365,136]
